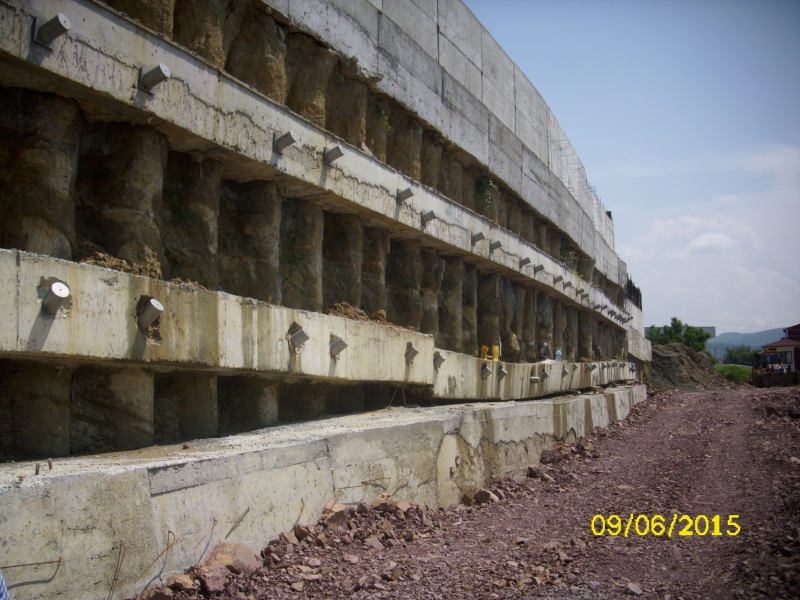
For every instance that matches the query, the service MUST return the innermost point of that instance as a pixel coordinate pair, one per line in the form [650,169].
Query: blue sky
[686,116]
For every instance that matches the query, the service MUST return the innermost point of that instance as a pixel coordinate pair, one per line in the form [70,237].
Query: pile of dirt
[345,310]
[678,366]
[92,254]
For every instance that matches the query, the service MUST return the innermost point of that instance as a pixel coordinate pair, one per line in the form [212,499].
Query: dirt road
[728,452]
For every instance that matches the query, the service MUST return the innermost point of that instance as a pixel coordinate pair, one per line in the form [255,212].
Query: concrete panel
[406,51]
[411,91]
[596,412]
[460,100]
[505,139]
[353,32]
[430,8]
[569,419]
[460,26]
[505,169]
[363,12]
[499,101]
[496,66]
[82,519]
[462,69]
[414,21]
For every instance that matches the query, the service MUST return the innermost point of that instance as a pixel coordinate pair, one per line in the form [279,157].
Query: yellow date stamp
[661,526]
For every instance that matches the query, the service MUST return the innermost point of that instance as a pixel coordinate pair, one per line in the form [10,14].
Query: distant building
[788,347]
[712,331]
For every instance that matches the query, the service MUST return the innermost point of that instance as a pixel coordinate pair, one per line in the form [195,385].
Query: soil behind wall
[677,366]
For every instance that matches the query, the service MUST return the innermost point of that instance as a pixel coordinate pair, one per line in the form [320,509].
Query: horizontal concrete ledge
[85,508]
[197,329]
[221,332]
[202,109]
[460,377]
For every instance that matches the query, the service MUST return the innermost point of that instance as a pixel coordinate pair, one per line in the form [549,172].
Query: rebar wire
[46,562]
[206,535]
[119,567]
[302,508]
[165,551]
[236,524]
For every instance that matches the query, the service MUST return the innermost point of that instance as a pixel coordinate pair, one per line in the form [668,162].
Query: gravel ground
[720,452]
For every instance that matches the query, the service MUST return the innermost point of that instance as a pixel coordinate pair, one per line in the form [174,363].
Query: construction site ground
[734,450]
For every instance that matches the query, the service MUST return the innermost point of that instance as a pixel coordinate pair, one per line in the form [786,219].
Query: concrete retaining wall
[84,509]
[205,110]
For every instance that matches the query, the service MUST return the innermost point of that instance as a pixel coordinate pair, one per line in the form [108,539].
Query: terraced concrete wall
[84,509]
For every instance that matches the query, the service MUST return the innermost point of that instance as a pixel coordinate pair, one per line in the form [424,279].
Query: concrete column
[257,54]
[490,310]
[450,309]
[191,219]
[378,109]
[469,311]
[373,269]
[246,403]
[620,344]
[432,273]
[38,165]
[559,325]
[585,342]
[455,176]
[554,239]
[585,267]
[403,152]
[443,177]
[120,193]
[342,258]
[346,109]
[544,326]
[303,401]
[35,400]
[198,25]
[404,284]
[468,178]
[487,199]
[529,348]
[597,349]
[249,240]
[185,406]
[308,68]
[430,158]
[345,399]
[527,226]
[155,14]
[510,322]
[514,218]
[571,334]
[502,211]
[541,238]
[302,228]
[110,410]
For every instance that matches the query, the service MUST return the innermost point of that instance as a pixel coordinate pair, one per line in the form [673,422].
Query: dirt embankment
[677,366]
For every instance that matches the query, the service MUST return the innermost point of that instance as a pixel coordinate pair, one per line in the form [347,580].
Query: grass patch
[734,373]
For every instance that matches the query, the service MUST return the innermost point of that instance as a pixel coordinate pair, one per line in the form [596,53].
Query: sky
[686,116]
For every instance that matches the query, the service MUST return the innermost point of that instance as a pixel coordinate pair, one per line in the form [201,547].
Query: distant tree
[738,355]
[693,337]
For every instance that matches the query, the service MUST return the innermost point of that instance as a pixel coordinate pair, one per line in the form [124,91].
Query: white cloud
[710,242]
[727,259]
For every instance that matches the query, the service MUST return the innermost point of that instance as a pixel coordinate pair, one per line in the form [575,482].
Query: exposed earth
[730,451]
